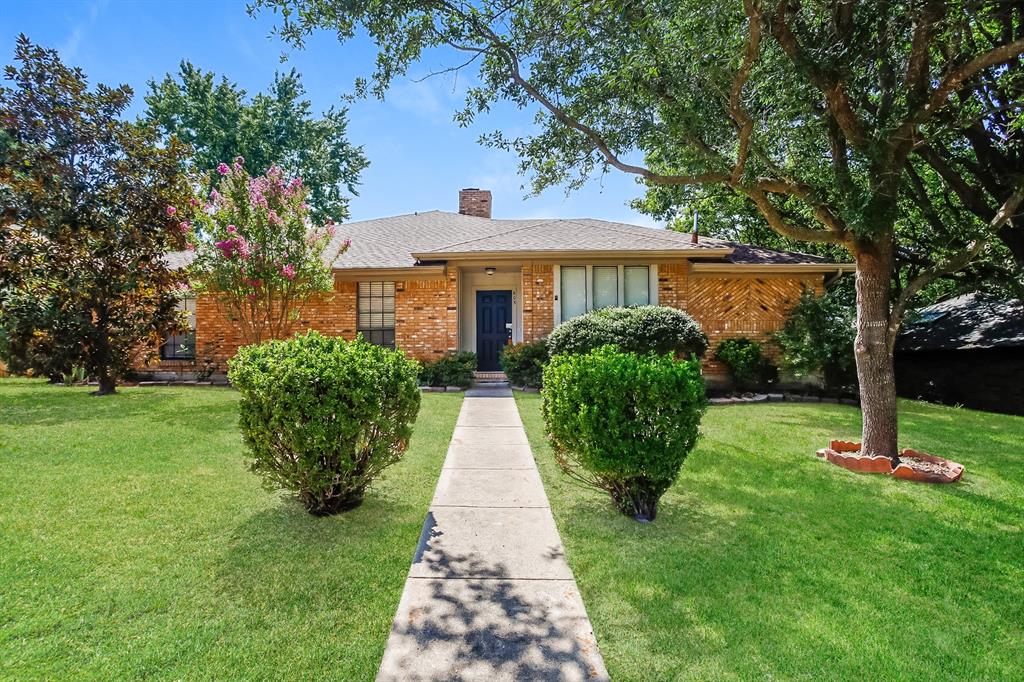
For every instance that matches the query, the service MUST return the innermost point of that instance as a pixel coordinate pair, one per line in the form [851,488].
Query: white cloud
[69,49]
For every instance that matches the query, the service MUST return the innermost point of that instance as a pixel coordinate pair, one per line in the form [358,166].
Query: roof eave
[411,271]
[776,268]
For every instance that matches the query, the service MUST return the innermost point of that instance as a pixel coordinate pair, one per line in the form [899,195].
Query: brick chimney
[476,202]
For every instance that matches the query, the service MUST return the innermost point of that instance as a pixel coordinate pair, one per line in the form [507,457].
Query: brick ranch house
[435,282]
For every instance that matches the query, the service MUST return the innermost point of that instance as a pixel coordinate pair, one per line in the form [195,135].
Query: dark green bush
[623,422]
[749,368]
[641,329]
[452,370]
[523,363]
[817,338]
[322,417]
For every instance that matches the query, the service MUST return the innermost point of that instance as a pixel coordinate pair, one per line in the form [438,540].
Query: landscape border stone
[847,455]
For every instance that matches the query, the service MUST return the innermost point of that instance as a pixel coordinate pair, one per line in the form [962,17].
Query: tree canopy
[220,122]
[85,222]
[830,118]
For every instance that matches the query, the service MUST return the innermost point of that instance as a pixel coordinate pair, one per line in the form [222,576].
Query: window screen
[376,314]
[637,283]
[574,291]
[606,286]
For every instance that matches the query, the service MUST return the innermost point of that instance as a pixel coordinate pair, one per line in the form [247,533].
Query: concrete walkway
[489,595]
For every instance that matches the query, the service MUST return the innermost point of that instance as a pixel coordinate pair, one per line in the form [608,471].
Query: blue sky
[419,158]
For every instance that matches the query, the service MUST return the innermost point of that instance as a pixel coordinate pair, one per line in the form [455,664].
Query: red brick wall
[427,310]
[427,316]
[332,314]
[672,284]
[538,300]
[426,321]
[752,306]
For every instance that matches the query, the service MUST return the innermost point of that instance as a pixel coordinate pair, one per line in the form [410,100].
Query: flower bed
[913,466]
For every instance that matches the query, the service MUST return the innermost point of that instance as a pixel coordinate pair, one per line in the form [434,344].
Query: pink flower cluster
[235,246]
[288,271]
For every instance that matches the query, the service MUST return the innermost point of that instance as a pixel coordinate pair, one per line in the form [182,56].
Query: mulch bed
[913,466]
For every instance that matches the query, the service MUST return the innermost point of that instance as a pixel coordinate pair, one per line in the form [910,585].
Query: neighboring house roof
[179,260]
[405,241]
[971,321]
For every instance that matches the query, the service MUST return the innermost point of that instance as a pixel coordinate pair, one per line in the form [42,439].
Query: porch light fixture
[490,271]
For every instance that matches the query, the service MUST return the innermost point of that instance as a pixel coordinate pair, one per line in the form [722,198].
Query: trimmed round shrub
[452,370]
[749,368]
[623,422]
[323,417]
[523,363]
[640,329]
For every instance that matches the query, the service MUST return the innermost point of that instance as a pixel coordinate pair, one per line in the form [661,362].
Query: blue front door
[493,327]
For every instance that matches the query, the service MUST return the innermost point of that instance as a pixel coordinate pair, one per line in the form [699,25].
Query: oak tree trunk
[873,350]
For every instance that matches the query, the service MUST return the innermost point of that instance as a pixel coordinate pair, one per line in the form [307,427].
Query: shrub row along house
[435,283]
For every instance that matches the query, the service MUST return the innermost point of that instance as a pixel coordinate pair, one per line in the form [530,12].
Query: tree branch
[949,84]
[957,261]
[505,52]
[739,114]
[831,85]
[972,197]
[778,223]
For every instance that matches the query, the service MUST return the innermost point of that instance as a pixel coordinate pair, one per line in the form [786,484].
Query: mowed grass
[135,543]
[767,563]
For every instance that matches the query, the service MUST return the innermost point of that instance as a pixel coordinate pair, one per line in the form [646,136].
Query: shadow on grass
[766,562]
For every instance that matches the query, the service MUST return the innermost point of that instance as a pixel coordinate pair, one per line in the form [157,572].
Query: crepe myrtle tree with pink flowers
[257,251]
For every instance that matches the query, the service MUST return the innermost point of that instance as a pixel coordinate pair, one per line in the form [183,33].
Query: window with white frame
[182,346]
[376,312]
[582,288]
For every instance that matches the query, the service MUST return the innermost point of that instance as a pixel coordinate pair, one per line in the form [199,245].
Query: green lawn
[765,562]
[135,543]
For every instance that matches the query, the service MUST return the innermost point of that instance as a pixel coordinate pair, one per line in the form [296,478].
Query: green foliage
[323,417]
[83,279]
[255,250]
[452,370]
[890,130]
[220,123]
[523,363]
[642,329]
[36,337]
[75,376]
[749,368]
[817,337]
[623,422]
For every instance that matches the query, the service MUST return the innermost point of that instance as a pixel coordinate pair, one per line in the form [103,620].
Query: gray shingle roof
[390,242]
[971,321]
[437,235]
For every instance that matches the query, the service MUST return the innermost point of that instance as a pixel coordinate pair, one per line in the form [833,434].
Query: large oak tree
[823,115]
